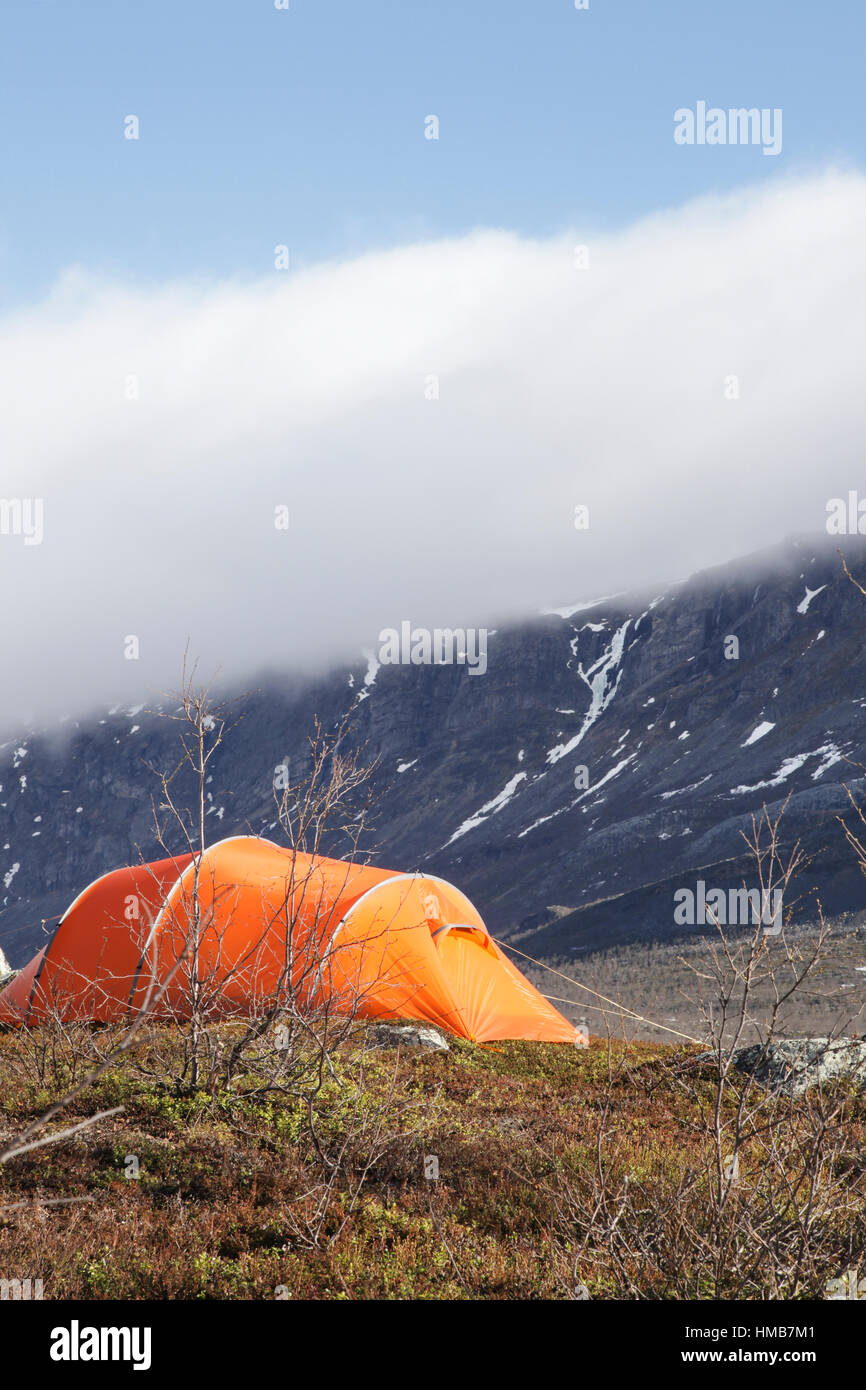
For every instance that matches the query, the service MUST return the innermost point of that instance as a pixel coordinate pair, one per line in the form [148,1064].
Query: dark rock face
[681,740]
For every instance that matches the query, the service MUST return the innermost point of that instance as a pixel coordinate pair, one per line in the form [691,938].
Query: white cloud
[557,387]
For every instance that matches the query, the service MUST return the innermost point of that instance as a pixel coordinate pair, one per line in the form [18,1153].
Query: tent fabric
[274,924]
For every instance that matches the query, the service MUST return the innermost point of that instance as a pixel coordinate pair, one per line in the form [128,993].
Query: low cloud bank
[280,470]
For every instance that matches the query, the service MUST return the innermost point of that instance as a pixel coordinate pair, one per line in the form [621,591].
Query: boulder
[407,1035]
[793,1065]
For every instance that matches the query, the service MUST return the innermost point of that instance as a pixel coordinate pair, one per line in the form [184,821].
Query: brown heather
[563,1172]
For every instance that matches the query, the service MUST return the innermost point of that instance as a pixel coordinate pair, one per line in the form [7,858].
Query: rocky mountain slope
[612,753]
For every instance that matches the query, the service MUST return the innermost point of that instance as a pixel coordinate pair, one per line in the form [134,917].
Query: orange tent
[248,924]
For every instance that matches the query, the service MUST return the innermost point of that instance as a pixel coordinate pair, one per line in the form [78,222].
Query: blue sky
[305,127]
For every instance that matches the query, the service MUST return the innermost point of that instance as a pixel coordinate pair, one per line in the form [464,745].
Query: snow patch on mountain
[608,776]
[832,755]
[372,671]
[680,791]
[570,610]
[803,605]
[542,820]
[828,752]
[489,808]
[758,732]
[602,680]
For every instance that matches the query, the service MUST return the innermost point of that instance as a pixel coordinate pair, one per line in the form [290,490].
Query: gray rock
[793,1065]
[407,1035]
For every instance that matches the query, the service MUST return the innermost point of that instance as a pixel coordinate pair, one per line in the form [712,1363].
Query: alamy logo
[23,516]
[21,1289]
[849,1285]
[846,516]
[440,646]
[743,907]
[737,126]
[76,1343]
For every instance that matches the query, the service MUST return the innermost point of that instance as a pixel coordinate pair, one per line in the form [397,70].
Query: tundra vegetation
[287,1155]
